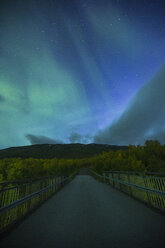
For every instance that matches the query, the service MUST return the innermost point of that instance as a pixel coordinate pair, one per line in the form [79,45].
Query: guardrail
[149,189]
[17,201]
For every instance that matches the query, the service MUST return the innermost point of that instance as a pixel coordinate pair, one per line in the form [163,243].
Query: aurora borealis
[80,70]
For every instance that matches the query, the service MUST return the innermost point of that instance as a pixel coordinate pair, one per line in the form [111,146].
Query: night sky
[82,71]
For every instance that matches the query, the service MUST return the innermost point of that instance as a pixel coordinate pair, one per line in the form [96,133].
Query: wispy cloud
[39,139]
[144,118]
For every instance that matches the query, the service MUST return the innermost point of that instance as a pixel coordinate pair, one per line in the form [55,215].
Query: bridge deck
[89,214]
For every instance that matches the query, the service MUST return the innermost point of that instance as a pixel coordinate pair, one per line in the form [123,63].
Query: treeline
[150,157]
[19,169]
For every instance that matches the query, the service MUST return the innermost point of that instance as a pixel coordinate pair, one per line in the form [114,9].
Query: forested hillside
[58,151]
[150,157]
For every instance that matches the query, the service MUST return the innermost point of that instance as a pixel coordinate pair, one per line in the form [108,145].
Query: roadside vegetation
[150,157]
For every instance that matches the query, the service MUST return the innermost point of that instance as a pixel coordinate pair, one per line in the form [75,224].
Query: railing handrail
[155,191]
[139,173]
[28,197]
[29,180]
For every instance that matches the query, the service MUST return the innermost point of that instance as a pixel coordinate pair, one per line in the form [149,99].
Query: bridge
[87,213]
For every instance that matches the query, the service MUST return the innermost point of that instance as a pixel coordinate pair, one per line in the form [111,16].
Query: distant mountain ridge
[58,150]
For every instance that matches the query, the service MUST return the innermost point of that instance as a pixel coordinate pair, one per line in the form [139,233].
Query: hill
[58,150]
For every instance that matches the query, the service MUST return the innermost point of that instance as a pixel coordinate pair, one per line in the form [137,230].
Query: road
[89,214]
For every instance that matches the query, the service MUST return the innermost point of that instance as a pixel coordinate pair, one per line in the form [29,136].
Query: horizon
[58,144]
[86,144]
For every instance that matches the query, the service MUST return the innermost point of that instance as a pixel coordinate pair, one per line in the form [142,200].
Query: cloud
[39,139]
[78,138]
[144,118]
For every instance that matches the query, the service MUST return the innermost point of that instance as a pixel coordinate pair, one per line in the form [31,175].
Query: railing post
[120,185]
[60,182]
[130,189]
[104,176]
[113,182]
[29,202]
[147,193]
[63,180]
[1,196]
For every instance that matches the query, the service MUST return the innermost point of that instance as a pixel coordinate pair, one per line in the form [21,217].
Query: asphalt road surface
[89,214]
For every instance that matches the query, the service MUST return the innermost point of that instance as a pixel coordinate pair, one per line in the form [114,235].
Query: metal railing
[17,201]
[147,188]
